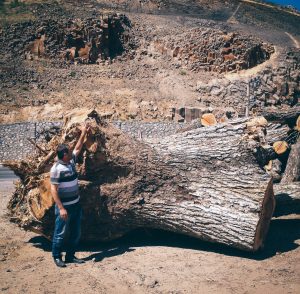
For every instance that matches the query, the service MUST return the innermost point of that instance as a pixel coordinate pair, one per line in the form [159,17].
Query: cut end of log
[267,210]
[280,147]
[297,127]
[208,119]
[40,199]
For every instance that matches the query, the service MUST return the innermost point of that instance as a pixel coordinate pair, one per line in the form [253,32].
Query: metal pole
[35,137]
[248,99]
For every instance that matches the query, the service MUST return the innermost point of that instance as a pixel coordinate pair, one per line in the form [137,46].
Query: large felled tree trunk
[205,183]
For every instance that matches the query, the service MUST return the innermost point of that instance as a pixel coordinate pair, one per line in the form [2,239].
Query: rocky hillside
[89,40]
[213,50]
[146,60]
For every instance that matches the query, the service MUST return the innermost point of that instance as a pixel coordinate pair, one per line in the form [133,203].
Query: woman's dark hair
[61,150]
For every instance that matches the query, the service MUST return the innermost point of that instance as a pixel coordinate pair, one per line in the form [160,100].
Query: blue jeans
[70,227]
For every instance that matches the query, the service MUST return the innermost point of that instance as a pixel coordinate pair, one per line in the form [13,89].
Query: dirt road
[271,6]
[150,262]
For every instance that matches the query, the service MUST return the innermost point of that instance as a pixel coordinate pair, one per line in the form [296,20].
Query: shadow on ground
[281,238]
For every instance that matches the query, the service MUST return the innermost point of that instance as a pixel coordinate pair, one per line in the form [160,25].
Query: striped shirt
[65,176]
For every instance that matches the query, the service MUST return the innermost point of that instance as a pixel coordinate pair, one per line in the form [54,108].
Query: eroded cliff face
[87,40]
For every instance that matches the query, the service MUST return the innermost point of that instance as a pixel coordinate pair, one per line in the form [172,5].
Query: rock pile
[273,86]
[213,50]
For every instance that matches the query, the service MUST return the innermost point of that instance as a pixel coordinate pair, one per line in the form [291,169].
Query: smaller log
[287,199]
[285,116]
[292,170]
[276,132]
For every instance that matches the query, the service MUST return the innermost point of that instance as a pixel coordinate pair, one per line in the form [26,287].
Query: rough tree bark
[288,116]
[292,171]
[204,183]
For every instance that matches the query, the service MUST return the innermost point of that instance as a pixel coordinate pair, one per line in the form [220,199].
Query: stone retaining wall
[14,143]
[149,131]
[13,138]
[273,86]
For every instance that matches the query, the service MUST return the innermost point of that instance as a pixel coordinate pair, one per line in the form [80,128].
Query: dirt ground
[150,262]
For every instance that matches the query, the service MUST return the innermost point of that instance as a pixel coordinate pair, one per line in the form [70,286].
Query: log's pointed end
[267,210]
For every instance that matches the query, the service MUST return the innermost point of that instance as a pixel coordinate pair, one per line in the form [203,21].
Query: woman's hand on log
[63,214]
